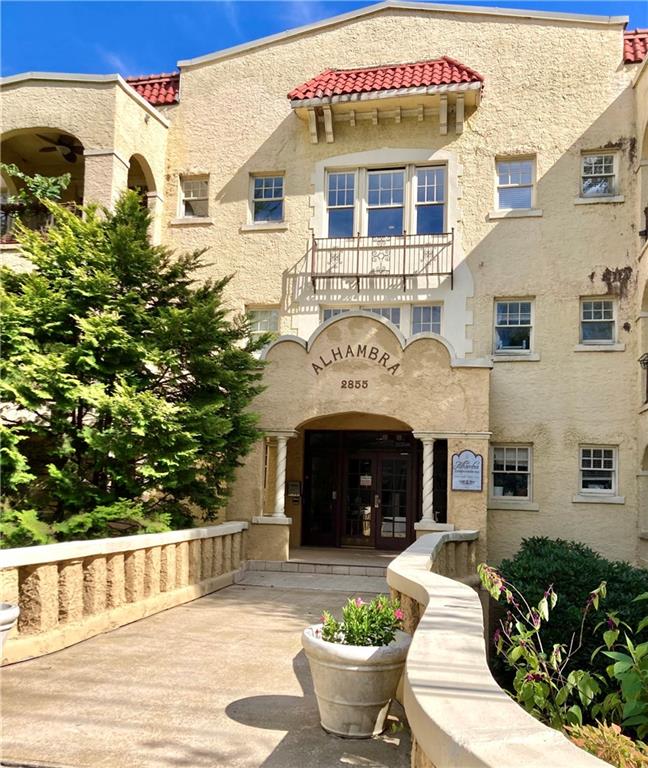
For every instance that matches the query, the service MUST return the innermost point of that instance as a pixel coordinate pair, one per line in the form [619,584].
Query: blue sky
[145,37]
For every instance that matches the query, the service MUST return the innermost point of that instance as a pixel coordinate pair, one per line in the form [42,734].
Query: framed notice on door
[467,471]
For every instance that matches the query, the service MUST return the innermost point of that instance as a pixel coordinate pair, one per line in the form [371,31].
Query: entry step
[326,569]
[346,584]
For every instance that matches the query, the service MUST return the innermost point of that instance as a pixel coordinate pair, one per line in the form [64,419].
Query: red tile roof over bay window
[157,89]
[420,74]
[635,46]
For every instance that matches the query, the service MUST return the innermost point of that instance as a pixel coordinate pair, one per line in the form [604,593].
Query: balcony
[400,259]
[38,219]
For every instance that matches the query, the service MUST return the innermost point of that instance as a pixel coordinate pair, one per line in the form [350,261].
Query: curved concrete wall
[458,714]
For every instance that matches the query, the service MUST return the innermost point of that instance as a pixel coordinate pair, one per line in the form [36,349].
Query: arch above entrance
[360,363]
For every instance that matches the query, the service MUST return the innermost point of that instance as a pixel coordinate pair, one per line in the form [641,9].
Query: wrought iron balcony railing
[35,217]
[404,257]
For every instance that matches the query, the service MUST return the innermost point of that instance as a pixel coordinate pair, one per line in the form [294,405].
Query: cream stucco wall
[553,88]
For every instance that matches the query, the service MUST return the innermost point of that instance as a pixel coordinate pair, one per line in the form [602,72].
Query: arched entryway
[356,481]
[45,151]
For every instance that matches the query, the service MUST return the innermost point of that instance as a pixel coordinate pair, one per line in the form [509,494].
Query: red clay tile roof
[340,82]
[157,89]
[635,45]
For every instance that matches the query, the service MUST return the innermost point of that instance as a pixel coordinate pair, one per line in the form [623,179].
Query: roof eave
[427,90]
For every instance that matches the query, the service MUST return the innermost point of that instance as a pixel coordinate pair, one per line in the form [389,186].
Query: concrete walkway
[220,682]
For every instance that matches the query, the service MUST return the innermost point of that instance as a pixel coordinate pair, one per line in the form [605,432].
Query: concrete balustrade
[72,591]
[458,714]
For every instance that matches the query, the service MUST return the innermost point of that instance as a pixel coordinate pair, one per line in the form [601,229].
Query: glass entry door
[376,501]
[357,513]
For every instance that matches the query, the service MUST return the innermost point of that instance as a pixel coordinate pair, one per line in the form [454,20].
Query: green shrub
[367,624]
[23,528]
[575,570]
[609,744]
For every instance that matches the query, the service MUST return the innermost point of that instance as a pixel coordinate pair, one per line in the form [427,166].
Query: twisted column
[427,503]
[280,477]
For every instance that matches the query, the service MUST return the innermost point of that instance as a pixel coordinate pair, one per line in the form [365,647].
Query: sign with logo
[467,471]
[356,351]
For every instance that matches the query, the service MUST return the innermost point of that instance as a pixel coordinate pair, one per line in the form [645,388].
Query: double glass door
[375,501]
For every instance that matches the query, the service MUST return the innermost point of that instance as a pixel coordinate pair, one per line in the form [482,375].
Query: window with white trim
[598,174]
[263,321]
[511,472]
[597,325]
[515,183]
[340,202]
[393,314]
[598,469]
[267,199]
[386,202]
[513,327]
[194,197]
[426,318]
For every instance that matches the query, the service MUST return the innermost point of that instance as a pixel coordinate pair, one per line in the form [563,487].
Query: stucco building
[441,213]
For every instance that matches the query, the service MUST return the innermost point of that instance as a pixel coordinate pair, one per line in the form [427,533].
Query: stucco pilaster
[105,177]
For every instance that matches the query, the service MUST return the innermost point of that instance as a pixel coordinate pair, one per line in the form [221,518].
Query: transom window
[511,473]
[515,179]
[194,197]
[267,199]
[513,327]
[597,321]
[263,321]
[426,319]
[598,175]
[386,202]
[598,469]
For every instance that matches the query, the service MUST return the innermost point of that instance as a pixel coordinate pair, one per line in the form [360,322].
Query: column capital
[286,433]
[421,435]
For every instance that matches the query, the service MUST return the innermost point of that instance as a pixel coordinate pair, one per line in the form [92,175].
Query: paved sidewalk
[220,682]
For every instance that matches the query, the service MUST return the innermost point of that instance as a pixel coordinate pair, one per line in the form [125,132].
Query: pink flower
[359,601]
[399,614]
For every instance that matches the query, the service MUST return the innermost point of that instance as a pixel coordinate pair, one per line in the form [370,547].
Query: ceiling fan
[65,145]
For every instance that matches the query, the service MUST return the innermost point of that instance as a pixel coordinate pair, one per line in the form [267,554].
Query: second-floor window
[267,199]
[194,197]
[386,202]
[263,321]
[598,175]
[515,180]
[598,470]
[513,327]
[426,319]
[597,321]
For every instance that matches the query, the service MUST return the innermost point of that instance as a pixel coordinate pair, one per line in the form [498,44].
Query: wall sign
[354,351]
[467,471]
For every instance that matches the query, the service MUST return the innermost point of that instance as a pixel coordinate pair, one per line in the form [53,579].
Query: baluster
[218,556]
[168,568]
[207,556]
[182,564]
[70,589]
[95,593]
[39,603]
[152,571]
[134,569]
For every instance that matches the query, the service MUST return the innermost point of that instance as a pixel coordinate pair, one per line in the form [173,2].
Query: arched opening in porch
[354,479]
[44,151]
[140,178]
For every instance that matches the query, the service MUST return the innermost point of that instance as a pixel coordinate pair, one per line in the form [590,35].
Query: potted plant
[356,665]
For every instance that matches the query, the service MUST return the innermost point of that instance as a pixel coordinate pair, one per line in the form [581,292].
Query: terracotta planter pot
[354,684]
[8,617]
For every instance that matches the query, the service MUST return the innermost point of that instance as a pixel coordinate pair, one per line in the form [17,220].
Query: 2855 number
[354,384]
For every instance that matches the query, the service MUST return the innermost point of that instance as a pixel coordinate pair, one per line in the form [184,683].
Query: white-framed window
[194,197]
[597,321]
[513,326]
[515,183]
[341,203]
[393,314]
[330,312]
[386,202]
[598,469]
[511,471]
[263,321]
[426,318]
[599,174]
[267,199]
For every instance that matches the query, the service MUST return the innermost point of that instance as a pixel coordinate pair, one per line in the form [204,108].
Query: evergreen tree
[125,388]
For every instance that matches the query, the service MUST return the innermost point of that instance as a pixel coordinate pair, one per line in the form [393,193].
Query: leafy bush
[547,683]
[23,528]
[125,389]
[574,570]
[609,744]
[373,623]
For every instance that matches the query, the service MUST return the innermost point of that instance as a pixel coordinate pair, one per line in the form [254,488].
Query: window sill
[599,348]
[516,213]
[595,200]
[532,357]
[592,498]
[513,504]
[191,221]
[279,226]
